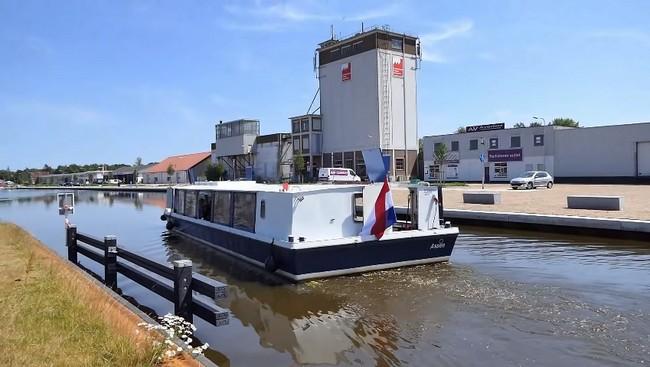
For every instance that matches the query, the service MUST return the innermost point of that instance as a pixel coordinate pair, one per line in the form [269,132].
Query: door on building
[643,158]
[487,174]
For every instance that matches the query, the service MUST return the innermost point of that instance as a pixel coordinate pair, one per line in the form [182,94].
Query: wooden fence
[119,260]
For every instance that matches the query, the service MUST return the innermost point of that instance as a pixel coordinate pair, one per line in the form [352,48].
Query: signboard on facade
[398,67]
[505,155]
[488,127]
[346,71]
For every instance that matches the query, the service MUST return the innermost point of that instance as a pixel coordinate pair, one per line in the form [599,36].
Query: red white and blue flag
[382,215]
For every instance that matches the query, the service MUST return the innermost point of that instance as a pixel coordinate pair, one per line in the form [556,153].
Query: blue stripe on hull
[327,258]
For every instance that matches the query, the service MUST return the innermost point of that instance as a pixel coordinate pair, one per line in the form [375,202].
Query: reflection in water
[506,298]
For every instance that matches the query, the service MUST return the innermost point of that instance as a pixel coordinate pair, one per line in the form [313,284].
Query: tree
[519,125]
[461,130]
[214,172]
[47,168]
[136,166]
[440,157]
[535,124]
[299,166]
[170,170]
[563,121]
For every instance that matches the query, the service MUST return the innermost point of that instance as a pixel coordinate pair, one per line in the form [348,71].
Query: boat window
[262,208]
[205,205]
[244,211]
[221,208]
[357,207]
[179,202]
[190,203]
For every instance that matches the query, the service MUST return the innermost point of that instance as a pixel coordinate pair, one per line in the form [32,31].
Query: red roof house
[185,168]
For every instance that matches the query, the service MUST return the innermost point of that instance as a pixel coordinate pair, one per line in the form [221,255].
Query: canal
[506,298]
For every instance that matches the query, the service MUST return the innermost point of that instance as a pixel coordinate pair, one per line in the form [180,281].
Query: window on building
[169,178]
[541,167]
[396,44]
[515,142]
[221,208]
[434,171]
[205,205]
[244,210]
[357,207]
[501,170]
[262,208]
[452,171]
[179,204]
[473,144]
[494,143]
[305,143]
[316,124]
[295,126]
[538,140]
[304,125]
[296,144]
[454,146]
[337,160]
[190,204]
[399,164]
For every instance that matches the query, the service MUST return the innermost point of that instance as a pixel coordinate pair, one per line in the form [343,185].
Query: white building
[272,157]
[602,153]
[233,146]
[368,99]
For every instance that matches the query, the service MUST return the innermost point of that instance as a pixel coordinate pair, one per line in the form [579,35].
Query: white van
[337,175]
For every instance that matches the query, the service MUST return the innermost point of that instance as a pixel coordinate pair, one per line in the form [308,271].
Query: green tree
[563,121]
[535,124]
[519,125]
[136,167]
[299,166]
[440,157]
[170,170]
[214,172]
[461,130]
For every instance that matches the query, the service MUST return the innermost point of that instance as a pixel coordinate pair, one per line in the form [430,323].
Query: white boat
[309,231]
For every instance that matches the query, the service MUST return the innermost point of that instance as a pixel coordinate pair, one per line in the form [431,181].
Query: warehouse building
[616,153]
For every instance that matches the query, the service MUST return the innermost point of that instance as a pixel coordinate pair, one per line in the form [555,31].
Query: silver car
[532,179]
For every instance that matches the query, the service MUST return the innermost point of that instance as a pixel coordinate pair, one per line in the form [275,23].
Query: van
[337,175]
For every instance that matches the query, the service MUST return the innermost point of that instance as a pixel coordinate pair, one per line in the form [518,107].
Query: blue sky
[107,81]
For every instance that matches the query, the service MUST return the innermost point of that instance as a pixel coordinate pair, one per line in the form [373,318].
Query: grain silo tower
[368,99]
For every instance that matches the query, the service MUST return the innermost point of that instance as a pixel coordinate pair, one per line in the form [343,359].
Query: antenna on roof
[361,27]
[332,30]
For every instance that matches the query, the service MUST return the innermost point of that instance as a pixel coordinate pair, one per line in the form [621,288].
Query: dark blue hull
[323,261]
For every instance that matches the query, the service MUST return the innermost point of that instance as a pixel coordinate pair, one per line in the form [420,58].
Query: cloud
[263,16]
[431,41]
[621,34]
[59,114]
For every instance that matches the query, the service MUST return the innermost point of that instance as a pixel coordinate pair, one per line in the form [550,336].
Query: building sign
[398,67]
[488,127]
[346,71]
[505,155]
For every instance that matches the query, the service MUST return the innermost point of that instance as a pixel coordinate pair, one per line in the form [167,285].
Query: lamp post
[540,118]
[482,164]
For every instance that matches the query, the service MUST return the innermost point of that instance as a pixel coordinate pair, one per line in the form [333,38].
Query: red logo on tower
[346,71]
[398,67]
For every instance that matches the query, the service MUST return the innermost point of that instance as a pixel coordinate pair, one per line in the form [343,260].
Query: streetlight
[539,118]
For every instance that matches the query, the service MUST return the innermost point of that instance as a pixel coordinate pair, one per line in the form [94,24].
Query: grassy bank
[52,316]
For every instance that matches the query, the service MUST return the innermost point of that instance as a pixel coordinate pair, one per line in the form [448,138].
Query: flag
[382,215]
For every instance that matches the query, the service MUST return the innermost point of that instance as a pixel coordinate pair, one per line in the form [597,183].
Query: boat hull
[299,264]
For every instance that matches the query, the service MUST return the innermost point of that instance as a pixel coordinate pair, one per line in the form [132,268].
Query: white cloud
[431,41]
[60,114]
[263,16]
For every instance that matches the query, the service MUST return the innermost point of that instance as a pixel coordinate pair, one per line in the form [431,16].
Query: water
[507,298]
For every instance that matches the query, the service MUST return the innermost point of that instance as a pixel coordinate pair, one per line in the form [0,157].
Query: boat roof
[260,187]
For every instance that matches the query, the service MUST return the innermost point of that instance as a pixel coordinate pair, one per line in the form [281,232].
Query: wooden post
[71,242]
[183,289]
[440,206]
[110,261]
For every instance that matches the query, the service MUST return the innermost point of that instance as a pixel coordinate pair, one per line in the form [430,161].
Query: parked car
[532,179]
[337,175]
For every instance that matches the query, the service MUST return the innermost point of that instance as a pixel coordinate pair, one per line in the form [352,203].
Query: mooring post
[71,242]
[110,261]
[183,289]
[441,206]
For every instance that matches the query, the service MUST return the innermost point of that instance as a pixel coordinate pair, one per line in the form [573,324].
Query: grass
[53,316]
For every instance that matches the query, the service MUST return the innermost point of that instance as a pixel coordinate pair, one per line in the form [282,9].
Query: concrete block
[482,198]
[595,202]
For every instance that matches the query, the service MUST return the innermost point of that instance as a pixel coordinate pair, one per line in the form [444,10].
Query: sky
[108,81]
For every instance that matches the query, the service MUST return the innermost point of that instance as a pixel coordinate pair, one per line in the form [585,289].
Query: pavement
[548,201]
